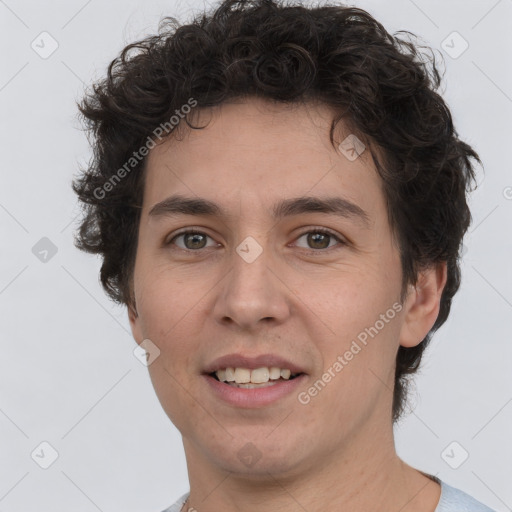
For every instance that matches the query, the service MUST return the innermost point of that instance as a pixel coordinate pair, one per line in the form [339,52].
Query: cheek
[363,315]
[162,298]
[167,319]
[173,393]
[351,302]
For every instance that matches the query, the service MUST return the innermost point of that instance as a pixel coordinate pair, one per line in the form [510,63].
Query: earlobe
[422,305]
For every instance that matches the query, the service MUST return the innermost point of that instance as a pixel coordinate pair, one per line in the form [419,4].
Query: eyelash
[310,230]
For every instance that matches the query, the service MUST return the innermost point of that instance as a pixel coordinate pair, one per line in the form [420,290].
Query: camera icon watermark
[352,147]
[455,455]
[44,455]
[44,45]
[454,45]
[44,250]
[146,352]
[249,249]
[249,454]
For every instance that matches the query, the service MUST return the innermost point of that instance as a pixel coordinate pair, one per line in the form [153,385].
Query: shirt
[451,500]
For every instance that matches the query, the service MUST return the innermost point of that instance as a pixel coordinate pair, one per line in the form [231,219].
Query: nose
[252,293]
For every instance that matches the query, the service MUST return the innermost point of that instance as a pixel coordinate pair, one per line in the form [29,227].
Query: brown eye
[192,240]
[196,240]
[320,239]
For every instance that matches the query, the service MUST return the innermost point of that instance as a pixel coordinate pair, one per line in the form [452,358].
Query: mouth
[251,382]
[254,379]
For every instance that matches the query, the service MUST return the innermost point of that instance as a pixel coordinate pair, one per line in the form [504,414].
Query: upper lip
[260,361]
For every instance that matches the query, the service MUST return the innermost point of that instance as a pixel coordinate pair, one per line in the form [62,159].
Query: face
[264,282]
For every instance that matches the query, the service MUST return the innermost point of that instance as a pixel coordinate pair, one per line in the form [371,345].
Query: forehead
[253,153]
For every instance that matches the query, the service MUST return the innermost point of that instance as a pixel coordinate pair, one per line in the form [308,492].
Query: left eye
[318,238]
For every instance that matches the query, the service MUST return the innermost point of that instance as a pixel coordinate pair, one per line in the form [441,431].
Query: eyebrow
[181,205]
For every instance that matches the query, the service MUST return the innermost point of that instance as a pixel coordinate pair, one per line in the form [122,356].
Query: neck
[362,474]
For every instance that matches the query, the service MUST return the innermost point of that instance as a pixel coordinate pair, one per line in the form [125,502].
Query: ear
[135,324]
[422,305]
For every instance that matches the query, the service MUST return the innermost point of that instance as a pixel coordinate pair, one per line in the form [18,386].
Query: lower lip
[255,397]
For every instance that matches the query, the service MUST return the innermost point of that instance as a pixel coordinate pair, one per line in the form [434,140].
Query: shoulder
[455,500]
[176,506]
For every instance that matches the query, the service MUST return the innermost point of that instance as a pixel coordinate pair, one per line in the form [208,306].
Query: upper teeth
[256,376]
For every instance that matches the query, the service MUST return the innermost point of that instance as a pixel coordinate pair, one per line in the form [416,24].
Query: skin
[337,452]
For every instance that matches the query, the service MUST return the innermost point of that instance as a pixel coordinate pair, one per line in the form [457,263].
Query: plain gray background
[68,375]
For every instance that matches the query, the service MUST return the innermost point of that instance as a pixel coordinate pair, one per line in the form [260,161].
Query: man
[279,198]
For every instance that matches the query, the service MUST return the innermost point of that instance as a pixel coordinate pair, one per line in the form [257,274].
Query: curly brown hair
[383,85]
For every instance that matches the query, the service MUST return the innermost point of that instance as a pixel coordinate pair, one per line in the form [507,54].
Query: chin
[256,457]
